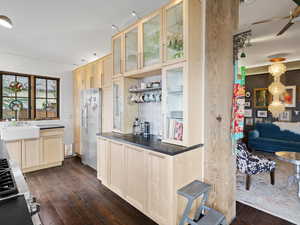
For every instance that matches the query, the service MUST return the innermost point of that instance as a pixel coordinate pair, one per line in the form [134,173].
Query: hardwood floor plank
[72,195]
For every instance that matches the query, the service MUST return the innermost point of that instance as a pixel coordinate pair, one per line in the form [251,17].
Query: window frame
[32,95]
[57,96]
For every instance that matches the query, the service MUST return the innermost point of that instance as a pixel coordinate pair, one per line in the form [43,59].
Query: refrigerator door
[91,125]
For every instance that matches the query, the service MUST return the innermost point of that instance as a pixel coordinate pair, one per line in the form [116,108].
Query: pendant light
[277,88]
[5,22]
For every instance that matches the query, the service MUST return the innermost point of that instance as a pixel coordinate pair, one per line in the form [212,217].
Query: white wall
[34,66]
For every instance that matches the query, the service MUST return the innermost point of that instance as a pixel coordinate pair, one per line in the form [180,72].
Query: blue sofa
[269,138]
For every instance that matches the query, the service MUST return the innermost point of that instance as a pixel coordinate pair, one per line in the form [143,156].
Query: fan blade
[270,20]
[285,28]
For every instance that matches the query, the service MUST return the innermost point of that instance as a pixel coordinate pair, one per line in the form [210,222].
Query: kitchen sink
[12,133]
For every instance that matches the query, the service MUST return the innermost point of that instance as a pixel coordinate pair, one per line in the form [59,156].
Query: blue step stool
[204,215]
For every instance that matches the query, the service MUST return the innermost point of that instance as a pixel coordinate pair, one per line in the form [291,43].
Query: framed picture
[289,96]
[248,94]
[261,97]
[259,120]
[248,113]
[262,113]
[249,121]
[285,116]
[248,104]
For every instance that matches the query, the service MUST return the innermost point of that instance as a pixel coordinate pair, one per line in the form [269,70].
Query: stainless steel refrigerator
[91,108]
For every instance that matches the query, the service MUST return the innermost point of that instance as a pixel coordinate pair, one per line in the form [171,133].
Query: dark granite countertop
[151,143]
[50,126]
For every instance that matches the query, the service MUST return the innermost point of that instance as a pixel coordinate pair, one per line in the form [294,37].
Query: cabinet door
[173,103]
[14,149]
[117,169]
[31,153]
[117,105]
[107,108]
[174,31]
[159,186]
[151,40]
[52,149]
[97,71]
[117,55]
[136,177]
[107,71]
[102,160]
[132,49]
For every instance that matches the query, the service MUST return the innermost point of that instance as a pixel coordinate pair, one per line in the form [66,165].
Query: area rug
[279,200]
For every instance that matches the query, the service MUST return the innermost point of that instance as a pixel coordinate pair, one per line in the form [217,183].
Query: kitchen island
[147,173]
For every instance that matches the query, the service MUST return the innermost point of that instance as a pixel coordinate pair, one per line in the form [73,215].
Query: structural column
[219,162]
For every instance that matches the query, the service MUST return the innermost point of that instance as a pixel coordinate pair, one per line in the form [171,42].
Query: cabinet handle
[159,156]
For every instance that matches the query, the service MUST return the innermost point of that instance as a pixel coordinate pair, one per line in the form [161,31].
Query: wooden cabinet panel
[52,149]
[136,177]
[151,42]
[102,160]
[14,149]
[107,71]
[107,108]
[117,55]
[31,153]
[159,186]
[132,55]
[117,169]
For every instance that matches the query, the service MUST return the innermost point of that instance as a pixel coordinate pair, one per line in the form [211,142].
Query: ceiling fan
[293,17]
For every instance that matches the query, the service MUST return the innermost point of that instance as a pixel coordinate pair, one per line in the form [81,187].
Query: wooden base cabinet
[35,154]
[148,180]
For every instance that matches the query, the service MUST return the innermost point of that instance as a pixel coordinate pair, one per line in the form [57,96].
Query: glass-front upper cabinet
[151,40]
[174,31]
[117,55]
[117,106]
[173,104]
[132,49]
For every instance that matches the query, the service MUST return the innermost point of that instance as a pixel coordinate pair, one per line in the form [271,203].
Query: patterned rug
[279,200]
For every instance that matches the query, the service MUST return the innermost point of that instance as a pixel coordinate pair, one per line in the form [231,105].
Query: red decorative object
[16,86]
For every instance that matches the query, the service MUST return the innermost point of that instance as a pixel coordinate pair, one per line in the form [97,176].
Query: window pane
[40,108]
[52,108]
[25,83]
[24,113]
[7,112]
[52,88]
[40,88]
[7,80]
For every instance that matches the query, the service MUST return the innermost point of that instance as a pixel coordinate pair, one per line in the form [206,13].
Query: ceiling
[61,31]
[264,40]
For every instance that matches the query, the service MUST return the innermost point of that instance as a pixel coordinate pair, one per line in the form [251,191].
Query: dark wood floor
[71,195]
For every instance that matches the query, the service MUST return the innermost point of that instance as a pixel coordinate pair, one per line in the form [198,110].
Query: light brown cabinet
[136,186]
[118,58]
[14,149]
[117,170]
[124,112]
[146,179]
[34,154]
[52,145]
[97,74]
[31,153]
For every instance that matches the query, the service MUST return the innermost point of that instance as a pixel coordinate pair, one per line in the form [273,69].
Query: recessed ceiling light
[248,2]
[114,27]
[5,22]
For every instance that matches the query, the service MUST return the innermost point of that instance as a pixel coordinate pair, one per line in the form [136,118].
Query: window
[15,92]
[28,97]
[46,98]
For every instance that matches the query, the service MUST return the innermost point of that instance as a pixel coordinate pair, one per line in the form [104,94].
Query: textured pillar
[219,162]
